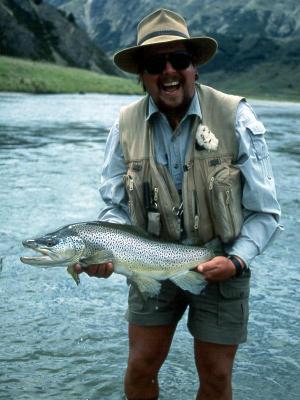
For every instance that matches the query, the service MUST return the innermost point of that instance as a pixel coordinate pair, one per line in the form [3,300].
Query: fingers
[95,270]
[218,269]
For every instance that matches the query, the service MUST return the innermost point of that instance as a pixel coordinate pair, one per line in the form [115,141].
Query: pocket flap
[257,128]
[236,288]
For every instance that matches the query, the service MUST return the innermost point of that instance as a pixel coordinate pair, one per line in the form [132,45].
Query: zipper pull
[155,195]
[155,198]
[227,196]
[130,185]
[196,222]
[211,183]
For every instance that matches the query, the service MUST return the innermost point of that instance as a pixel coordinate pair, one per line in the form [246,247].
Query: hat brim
[204,48]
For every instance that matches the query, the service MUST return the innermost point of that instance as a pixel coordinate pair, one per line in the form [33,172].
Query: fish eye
[50,242]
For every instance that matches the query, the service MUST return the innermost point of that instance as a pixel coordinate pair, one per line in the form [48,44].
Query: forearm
[112,189]
[257,233]
[259,201]
[115,214]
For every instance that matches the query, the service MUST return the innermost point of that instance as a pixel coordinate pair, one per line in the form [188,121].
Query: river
[66,342]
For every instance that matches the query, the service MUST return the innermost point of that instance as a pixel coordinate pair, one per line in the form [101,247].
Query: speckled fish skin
[133,254]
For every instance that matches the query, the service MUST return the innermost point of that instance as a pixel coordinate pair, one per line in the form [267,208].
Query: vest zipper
[229,208]
[196,217]
[211,183]
[155,196]
[169,203]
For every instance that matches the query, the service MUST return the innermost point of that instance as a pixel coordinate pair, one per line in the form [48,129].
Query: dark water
[66,342]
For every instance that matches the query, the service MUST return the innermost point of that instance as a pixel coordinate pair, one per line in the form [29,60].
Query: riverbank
[19,75]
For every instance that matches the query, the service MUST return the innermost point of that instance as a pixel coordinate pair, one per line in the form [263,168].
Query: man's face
[172,89]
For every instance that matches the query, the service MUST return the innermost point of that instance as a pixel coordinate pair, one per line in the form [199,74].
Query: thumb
[207,266]
[77,268]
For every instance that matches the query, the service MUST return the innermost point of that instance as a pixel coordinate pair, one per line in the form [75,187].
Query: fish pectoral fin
[99,257]
[191,281]
[148,287]
[73,273]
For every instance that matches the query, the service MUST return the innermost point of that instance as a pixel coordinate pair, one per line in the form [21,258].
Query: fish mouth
[48,257]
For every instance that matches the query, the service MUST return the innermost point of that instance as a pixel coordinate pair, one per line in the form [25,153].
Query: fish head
[62,247]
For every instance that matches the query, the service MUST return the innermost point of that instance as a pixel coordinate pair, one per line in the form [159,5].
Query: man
[187,163]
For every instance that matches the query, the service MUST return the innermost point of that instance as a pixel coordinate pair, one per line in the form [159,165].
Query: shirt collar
[194,108]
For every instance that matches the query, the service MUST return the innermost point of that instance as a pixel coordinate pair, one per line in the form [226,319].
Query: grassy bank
[263,82]
[19,75]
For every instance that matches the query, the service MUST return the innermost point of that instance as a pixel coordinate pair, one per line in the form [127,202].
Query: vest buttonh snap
[214,162]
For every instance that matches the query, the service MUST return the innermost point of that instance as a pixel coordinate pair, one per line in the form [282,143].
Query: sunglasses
[156,64]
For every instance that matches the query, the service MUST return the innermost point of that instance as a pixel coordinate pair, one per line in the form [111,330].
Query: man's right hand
[96,270]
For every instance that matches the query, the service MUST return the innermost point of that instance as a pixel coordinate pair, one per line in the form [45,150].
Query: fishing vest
[210,200]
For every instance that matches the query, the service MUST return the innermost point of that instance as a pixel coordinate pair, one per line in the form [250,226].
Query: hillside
[259,41]
[19,75]
[35,30]
[234,18]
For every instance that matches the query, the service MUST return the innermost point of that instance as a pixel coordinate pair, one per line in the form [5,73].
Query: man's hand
[218,269]
[96,270]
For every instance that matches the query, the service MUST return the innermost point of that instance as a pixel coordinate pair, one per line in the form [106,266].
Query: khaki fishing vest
[211,190]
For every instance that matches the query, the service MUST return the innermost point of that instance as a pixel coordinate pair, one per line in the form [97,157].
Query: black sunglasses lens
[180,60]
[156,65]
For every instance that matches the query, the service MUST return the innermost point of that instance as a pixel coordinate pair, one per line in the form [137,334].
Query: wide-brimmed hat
[164,26]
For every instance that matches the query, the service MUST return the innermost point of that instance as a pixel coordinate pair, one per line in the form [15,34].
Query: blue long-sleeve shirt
[261,209]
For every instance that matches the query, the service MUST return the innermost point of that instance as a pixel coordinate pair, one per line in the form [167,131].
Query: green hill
[39,77]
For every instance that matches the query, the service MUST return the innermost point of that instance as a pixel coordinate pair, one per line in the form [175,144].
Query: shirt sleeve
[260,206]
[112,189]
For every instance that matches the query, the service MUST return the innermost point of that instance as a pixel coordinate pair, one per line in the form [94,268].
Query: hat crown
[161,22]
[164,26]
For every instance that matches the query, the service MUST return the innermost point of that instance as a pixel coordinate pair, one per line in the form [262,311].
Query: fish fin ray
[99,257]
[74,274]
[191,281]
[149,287]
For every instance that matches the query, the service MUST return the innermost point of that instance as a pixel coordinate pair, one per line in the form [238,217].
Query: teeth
[169,84]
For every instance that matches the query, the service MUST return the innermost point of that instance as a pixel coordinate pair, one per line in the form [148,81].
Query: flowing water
[66,342]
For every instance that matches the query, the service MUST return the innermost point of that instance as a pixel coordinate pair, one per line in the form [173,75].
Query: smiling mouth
[170,87]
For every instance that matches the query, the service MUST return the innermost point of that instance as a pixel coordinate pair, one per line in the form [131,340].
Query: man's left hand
[217,269]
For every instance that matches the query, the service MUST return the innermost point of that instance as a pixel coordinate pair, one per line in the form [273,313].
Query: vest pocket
[225,201]
[135,201]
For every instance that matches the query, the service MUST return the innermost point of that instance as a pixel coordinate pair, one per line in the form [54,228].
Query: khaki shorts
[219,314]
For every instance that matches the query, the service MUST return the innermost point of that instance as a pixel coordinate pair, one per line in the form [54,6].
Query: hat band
[162,33]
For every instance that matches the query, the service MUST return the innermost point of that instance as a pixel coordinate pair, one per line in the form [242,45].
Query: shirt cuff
[244,248]
[115,215]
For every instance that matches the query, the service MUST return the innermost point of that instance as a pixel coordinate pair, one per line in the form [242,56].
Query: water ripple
[63,341]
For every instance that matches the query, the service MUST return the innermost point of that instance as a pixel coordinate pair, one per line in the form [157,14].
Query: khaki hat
[164,26]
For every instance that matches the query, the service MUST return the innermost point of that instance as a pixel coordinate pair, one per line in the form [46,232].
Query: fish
[134,254]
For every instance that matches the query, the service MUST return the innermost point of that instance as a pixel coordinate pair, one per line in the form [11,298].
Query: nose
[169,67]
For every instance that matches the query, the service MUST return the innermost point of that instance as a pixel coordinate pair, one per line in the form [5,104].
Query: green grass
[19,75]
[264,81]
